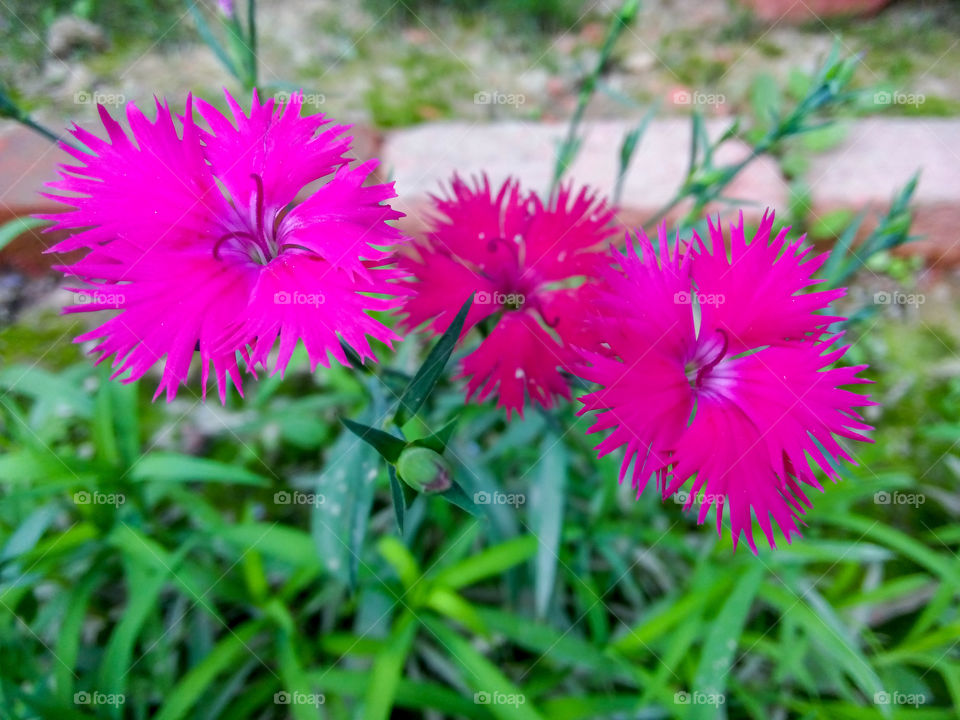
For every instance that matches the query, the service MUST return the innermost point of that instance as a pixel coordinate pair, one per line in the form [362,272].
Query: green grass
[201,596]
[428,85]
[536,15]
[124,22]
[198,561]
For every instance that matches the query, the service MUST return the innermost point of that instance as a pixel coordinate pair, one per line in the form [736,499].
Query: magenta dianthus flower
[721,372]
[526,261]
[195,236]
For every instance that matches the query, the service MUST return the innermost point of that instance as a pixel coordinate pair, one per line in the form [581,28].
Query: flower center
[259,241]
[699,368]
[514,288]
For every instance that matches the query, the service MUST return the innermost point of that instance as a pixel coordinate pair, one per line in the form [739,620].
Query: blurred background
[192,560]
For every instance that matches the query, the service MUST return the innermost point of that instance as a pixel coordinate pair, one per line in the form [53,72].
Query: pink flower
[736,399]
[525,260]
[197,238]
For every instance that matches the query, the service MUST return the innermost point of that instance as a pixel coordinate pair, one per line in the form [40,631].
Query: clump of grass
[541,15]
[428,83]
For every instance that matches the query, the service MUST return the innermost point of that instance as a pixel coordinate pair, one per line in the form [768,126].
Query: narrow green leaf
[490,685]
[69,635]
[274,541]
[590,707]
[27,534]
[412,694]
[664,615]
[565,648]
[224,657]
[627,149]
[206,34]
[400,559]
[353,357]
[339,524]
[174,467]
[389,446]
[144,583]
[438,440]
[548,496]
[719,649]
[489,563]
[295,680]
[948,569]
[388,669]
[836,644]
[431,370]
[456,495]
[399,501]
[454,606]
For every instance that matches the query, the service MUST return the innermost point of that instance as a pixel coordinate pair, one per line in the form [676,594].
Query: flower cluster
[524,260]
[200,232]
[720,373]
[712,361]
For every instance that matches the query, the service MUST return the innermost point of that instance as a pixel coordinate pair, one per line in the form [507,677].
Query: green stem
[567,150]
[252,43]
[46,132]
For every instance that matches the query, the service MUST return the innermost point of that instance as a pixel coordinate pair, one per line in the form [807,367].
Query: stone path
[876,159]
[878,156]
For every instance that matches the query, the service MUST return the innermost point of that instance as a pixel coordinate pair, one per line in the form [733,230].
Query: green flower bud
[424,470]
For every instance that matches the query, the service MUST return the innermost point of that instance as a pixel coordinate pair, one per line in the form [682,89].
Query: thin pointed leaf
[548,494]
[389,446]
[224,658]
[388,670]
[438,441]
[483,676]
[356,362]
[832,270]
[723,638]
[206,34]
[458,497]
[347,483]
[630,142]
[340,522]
[399,501]
[432,368]
[160,466]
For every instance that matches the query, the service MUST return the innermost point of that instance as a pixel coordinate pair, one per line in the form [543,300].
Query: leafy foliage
[203,587]
[264,560]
